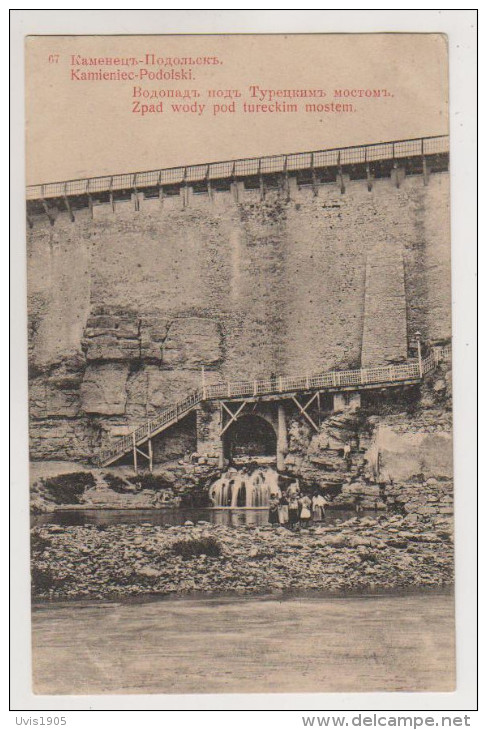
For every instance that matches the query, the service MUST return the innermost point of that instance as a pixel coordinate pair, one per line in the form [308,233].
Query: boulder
[148,572]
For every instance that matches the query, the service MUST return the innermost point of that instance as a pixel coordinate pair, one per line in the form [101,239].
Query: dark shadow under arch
[250,435]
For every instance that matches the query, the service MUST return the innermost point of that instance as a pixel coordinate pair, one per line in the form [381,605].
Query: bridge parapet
[394,159]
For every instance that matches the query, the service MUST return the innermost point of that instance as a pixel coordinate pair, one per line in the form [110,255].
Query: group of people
[293,509]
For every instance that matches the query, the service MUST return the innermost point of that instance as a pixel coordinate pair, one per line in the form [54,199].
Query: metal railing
[294,162]
[386,375]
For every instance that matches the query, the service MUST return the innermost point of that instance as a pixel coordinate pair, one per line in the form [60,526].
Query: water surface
[173,516]
[212,645]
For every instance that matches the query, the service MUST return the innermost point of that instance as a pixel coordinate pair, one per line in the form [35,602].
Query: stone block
[339,402]
[109,347]
[354,401]
[103,389]
[60,438]
[192,342]
[46,400]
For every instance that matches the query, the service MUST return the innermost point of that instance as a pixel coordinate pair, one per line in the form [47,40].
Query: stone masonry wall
[384,337]
[125,308]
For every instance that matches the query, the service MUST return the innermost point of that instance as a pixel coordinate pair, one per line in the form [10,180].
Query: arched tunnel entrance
[249,436]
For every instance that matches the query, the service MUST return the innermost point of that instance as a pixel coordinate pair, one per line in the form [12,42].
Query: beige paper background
[87,128]
[461,31]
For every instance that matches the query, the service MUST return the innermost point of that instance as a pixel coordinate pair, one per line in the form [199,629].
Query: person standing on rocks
[318,507]
[293,489]
[305,512]
[274,510]
[293,510]
[347,455]
[358,504]
[283,509]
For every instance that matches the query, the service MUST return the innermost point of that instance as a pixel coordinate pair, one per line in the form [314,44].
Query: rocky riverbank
[172,485]
[361,554]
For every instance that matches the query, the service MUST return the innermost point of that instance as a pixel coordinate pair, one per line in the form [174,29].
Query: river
[176,516]
[313,643]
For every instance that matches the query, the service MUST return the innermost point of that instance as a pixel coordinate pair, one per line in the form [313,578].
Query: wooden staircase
[407,373]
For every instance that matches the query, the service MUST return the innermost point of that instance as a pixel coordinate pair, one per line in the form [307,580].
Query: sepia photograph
[240,363]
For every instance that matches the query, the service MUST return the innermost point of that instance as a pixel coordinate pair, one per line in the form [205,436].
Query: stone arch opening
[250,436]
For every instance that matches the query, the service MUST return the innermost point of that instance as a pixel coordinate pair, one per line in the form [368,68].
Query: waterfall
[241,488]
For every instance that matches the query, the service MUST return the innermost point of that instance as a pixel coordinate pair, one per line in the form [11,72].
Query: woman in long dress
[293,511]
[283,509]
[318,507]
[274,510]
[305,513]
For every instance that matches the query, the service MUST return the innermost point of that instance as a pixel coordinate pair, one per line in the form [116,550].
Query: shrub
[196,497]
[41,580]
[197,546]
[114,482]
[44,580]
[38,543]
[67,488]
[151,481]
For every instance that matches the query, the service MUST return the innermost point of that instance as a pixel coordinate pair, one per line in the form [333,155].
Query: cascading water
[241,488]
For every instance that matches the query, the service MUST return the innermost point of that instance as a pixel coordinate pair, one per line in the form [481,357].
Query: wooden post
[48,212]
[261,182]
[112,201]
[281,437]
[184,188]
[369,174]
[420,356]
[149,444]
[425,172]
[340,174]
[68,206]
[425,166]
[136,195]
[234,185]
[203,382]
[90,204]
[221,450]
[208,184]
[313,176]
[160,188]
[90,199]
[287,191]
[134,447]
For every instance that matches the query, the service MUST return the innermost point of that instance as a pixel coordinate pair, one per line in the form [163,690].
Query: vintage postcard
[239,318]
